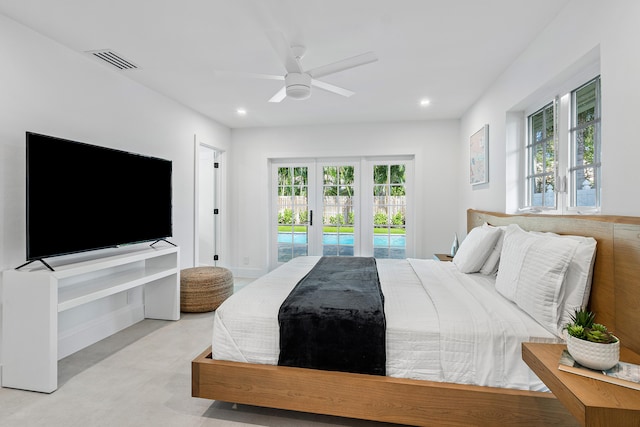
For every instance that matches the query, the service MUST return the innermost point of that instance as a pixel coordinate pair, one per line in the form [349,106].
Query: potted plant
[590,343]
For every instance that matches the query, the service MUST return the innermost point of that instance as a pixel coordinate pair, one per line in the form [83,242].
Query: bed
[430,398]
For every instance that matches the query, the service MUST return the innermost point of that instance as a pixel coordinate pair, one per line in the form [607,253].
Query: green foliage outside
[342,229]
[385,230]
[389,180]
[398,219]
[380,218]
[336,223]
[544,150]
[336,219]
[285,217]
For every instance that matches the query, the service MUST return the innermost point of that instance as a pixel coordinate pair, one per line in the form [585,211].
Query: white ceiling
[449,51]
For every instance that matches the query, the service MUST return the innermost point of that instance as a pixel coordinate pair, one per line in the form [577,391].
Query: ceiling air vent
[113,59]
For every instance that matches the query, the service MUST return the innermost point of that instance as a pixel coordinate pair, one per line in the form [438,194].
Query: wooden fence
[340,205]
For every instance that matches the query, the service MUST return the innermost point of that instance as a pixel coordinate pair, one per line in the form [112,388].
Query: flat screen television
[82,197]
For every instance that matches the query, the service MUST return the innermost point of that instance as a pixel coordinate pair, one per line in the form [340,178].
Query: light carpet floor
[142,377]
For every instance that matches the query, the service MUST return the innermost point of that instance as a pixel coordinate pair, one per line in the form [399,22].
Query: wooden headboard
[615,291]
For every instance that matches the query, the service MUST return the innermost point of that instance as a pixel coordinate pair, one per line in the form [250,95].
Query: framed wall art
[479,156]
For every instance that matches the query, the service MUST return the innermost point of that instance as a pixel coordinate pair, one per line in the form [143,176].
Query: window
[541,155]
[584,168]
[563,152]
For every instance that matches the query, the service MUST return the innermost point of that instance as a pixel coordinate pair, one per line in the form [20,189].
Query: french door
[389,207]
[339,234]
[350,207]
[293,201]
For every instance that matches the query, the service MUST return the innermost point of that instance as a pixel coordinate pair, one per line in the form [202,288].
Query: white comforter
[442,325]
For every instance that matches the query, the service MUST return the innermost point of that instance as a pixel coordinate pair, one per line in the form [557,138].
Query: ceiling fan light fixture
[298,92]
[298,85]
[298,82]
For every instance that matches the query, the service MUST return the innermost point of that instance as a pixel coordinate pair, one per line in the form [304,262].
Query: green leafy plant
[398,218]
[380,218]
[285,217]
[335,220]
[583,326]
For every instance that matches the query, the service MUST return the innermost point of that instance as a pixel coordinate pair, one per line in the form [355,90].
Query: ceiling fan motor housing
[298,85]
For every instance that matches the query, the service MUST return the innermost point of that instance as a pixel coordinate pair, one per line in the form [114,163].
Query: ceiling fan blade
[332,88]
[280,95]
[243,74]
[345,64]
[283,49]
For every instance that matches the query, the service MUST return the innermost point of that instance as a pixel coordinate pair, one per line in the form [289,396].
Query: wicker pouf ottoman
[204,288]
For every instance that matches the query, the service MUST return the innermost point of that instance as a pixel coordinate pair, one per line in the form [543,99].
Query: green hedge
[344,230]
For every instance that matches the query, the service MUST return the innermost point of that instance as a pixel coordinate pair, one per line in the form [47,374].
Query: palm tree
[292,181]
[338,181]
[389,176]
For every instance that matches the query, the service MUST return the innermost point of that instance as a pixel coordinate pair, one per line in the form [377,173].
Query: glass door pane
[389,209]
[338,216]
[293,212]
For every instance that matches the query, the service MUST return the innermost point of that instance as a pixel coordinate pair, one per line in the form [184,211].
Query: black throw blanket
[334,318]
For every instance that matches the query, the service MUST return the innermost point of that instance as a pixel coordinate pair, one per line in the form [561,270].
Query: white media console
[48,315]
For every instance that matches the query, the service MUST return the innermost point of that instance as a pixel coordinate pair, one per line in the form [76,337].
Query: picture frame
[479,156]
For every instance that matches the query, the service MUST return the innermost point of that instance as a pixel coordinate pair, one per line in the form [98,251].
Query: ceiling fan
[297,81]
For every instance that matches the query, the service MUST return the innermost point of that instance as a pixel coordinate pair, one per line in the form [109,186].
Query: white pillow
[532,270]
[475,248]
[490,266]
[577,282]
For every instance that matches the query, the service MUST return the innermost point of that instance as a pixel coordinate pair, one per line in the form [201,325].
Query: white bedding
[442,325]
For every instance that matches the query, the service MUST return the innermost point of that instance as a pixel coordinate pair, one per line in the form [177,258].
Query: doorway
[341,207]
[208,209]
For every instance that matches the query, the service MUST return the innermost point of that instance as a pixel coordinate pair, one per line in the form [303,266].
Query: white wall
[585,28]
[434,145]
[50,89]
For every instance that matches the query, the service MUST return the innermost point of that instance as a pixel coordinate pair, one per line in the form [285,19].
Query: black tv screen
[82,197]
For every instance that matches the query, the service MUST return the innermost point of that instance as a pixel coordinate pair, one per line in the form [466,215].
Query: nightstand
[592,402]
[442,257]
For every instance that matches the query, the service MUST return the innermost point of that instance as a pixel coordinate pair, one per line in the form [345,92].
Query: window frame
[574,128]
[564,114]
[531,175]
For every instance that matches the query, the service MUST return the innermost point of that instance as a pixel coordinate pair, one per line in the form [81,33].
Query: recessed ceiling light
[241,112]
[424,102]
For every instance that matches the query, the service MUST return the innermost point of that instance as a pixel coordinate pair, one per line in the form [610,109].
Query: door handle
[310,217]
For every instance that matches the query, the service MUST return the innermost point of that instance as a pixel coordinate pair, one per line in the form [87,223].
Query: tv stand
[48,315]
[34,260]
[163,240]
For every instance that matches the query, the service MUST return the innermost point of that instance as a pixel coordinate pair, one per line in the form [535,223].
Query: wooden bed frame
[615,297]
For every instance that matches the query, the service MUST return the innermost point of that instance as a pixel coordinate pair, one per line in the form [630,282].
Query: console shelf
[83,293]
[34,301]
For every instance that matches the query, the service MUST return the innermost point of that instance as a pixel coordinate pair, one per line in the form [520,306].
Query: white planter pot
[594,355]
